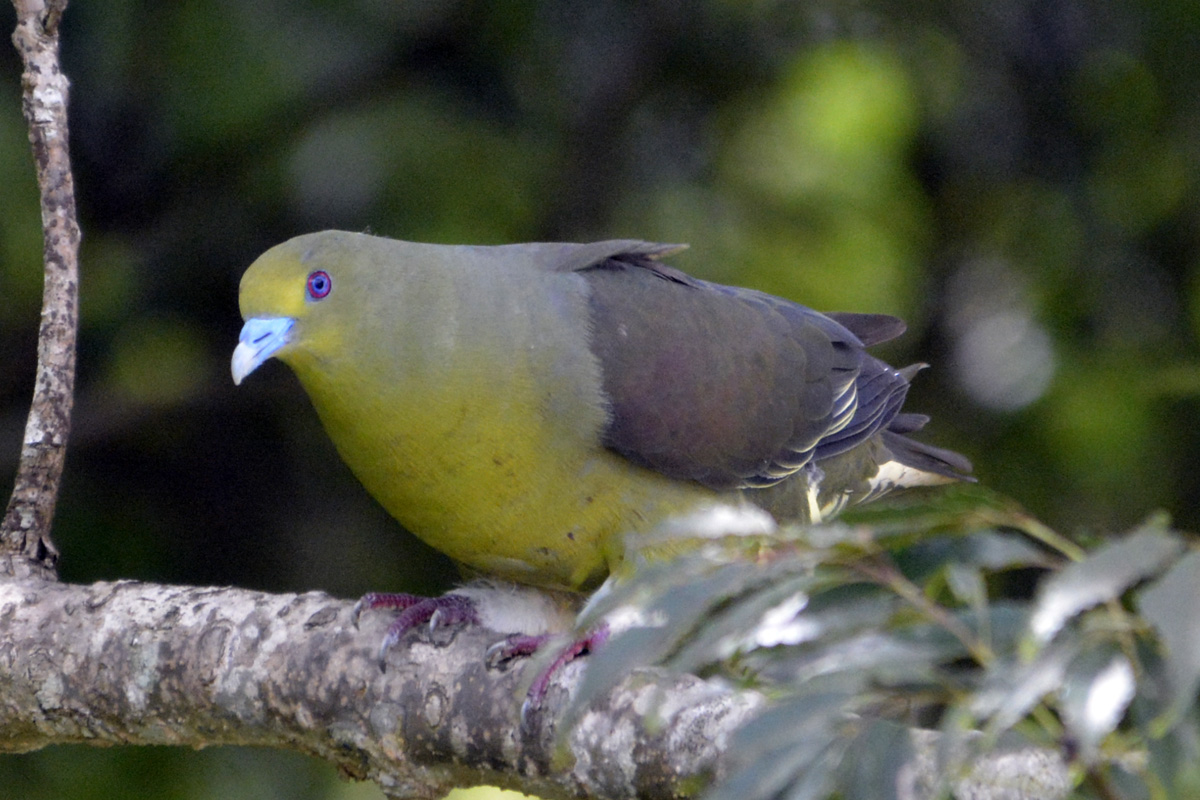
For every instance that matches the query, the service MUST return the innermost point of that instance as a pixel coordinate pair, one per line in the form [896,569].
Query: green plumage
[523,407]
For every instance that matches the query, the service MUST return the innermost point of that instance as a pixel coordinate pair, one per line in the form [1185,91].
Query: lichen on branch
[25,545]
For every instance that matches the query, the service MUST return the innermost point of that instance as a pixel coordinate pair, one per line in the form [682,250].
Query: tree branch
[134,663]
[25,546]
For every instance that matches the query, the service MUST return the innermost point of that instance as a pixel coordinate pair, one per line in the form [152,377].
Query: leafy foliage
[957,612]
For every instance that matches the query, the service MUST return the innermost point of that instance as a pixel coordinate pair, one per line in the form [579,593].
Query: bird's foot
[588,643]
[438,613]
[514,646]
[522,645]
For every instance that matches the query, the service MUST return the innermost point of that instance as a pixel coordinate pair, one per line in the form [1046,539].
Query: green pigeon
[522,408]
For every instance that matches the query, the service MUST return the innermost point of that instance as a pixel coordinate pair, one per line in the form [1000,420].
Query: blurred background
[1018,179]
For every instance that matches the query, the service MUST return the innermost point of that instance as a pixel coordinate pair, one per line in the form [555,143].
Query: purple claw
[518,645]
[452,609]
[587,643]
[449,609]
[374,600]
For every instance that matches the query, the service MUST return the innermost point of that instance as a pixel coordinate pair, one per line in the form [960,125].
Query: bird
[525,408]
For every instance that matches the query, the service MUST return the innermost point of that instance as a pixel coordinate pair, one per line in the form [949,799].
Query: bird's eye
[319,285]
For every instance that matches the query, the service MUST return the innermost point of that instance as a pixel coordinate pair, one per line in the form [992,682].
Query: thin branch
[25,546]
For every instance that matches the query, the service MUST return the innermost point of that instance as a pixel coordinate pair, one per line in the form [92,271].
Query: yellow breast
[481,435]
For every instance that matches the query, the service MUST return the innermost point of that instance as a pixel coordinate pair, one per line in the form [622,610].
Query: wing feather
[725,386]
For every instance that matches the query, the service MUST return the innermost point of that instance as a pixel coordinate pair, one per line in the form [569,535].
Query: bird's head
[292,298]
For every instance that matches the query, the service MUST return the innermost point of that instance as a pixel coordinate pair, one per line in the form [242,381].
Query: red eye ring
[319,285]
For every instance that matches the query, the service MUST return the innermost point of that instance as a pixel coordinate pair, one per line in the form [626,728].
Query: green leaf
[958,509]
[1126,785]
[871,767]
[871,658]
[1170,604]
[1096,691]
[1175,757]
[1105,575]
[769,617]
[664,604]
[1000,625]
[660,622]
[1011,690]
[967,585]
[1000,550]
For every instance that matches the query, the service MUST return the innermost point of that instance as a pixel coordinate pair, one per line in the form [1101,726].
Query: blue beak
[260,339]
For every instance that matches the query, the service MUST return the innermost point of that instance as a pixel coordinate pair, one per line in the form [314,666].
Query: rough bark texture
[134,663]
[25,546]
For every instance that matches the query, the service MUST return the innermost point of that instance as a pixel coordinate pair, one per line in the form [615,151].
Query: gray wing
[725,386]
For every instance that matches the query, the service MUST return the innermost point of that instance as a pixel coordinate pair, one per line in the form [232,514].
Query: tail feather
[908,422]
[925,457]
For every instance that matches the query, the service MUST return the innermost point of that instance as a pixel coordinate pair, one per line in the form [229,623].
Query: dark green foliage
[904,617]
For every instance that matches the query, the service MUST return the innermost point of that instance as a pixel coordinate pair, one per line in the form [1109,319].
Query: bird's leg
[523,645]
[438,612]
[585,644]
